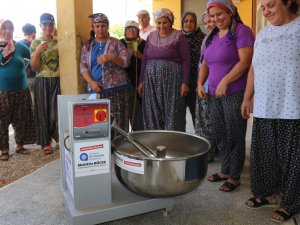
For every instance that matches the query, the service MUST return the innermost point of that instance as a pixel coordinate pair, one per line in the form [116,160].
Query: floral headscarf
[99,18]
[7,47]
[183,18]
[203,16]
[163,12]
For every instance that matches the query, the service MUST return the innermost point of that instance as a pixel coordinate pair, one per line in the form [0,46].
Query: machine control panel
[90,120]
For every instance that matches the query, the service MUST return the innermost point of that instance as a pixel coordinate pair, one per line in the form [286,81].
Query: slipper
[22,151]
[216,178]
[4,155]
[2,183]
[257,205]
[48,150]
[229,187]
[282,214]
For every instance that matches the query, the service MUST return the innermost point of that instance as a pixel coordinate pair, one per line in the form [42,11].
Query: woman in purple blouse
[227,57]
[165,75]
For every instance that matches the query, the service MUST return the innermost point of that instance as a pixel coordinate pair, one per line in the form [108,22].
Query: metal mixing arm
[141,147]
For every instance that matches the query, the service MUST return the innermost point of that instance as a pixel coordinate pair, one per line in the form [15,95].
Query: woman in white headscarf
[165,75]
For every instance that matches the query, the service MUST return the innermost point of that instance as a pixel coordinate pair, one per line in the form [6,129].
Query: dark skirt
[16,109]
[275,160]
[46,90]
[228,132]
[119,107]
[136,114]
[203,124]
[163,107]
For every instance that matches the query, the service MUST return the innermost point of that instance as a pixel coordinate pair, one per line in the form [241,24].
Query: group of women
[233,68]
[166,68]
[30,126]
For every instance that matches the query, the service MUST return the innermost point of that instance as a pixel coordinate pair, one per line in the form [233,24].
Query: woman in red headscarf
[15,99]
[102,65]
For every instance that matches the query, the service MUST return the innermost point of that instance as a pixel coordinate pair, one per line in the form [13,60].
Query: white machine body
[86,145]
[91,192]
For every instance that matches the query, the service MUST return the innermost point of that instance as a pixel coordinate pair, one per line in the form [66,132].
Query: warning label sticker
[131,165]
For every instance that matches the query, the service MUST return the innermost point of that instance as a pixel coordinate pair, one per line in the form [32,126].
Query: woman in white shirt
[274,80]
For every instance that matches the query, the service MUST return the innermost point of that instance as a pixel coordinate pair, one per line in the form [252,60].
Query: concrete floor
[36,199]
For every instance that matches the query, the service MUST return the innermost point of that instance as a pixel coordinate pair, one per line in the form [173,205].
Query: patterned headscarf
[226,5]
[163,12]
[99,18]
[7,47]
[183,18]
[204,15]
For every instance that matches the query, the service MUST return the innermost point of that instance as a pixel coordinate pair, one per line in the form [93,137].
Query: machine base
[124,204]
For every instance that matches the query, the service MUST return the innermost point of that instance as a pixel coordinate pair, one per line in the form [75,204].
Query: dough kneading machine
[148,169]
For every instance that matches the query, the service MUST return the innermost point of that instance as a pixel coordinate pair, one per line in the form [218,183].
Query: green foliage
[117,30]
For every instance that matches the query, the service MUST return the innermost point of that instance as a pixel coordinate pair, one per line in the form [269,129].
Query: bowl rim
[162,159]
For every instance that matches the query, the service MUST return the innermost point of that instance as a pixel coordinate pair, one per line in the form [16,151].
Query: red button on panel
[101,116]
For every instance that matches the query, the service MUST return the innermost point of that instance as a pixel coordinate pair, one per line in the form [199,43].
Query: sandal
[263,202]
[22,151]
[216,178]
[4,155]
[2,183]
[48,150]
[285,216]
[228,187]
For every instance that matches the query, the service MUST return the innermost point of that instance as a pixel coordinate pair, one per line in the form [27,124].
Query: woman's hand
[138,54]
[184,90]
[246,108]
[104,58]
[221,89]
[140,89]
[96,86]
[42,47]
[36,59]
[201,91]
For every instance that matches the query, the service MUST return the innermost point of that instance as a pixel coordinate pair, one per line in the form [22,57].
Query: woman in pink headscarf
[227,57]
[15,99]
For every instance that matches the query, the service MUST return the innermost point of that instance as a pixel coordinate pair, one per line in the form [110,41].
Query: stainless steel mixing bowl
[179,172]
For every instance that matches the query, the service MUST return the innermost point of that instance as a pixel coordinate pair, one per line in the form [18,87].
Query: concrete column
[73,28]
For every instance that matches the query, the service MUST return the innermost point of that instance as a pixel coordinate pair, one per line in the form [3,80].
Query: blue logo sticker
[84,157]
